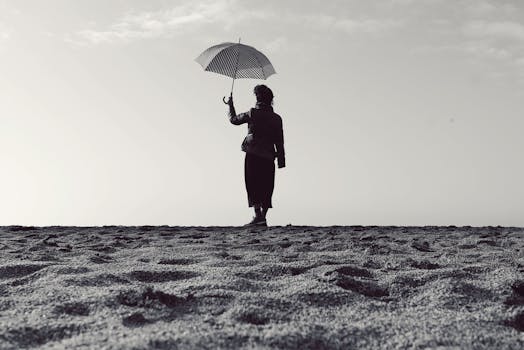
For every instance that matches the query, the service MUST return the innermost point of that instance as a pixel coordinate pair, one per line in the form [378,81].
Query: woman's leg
[264,212]
[258,211]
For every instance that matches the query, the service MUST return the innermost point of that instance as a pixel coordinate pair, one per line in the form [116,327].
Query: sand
[279,287]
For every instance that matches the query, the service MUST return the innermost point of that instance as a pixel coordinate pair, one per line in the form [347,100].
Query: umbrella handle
[230,97]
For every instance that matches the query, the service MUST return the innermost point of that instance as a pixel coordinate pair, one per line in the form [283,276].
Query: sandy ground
[282,287]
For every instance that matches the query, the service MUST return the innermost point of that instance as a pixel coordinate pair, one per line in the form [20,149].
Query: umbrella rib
[261,67]
[236,67]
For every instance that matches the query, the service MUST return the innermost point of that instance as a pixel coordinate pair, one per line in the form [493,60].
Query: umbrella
[237,61]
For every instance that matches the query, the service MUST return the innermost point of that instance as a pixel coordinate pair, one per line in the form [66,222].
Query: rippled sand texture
[281,287]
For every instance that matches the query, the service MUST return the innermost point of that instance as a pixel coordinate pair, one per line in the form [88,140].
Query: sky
[395,112]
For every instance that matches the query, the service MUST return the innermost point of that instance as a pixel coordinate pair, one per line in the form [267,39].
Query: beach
[284,287]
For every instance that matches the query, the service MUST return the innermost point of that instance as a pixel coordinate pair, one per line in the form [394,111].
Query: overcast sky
[396,112]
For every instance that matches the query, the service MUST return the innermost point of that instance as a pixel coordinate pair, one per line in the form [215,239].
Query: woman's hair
[263,94]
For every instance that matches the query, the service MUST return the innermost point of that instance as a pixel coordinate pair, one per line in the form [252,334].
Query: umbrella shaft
[232,85]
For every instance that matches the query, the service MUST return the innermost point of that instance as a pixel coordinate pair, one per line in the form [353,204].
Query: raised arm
[233,117]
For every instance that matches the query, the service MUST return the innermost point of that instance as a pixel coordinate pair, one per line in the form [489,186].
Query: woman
[264,142]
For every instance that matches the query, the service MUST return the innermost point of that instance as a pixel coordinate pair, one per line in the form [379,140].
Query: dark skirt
[259,174]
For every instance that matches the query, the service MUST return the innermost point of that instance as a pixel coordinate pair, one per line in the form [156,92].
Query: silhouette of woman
[264,142]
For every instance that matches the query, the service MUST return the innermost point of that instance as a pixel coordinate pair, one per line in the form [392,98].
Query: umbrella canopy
[236,60]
